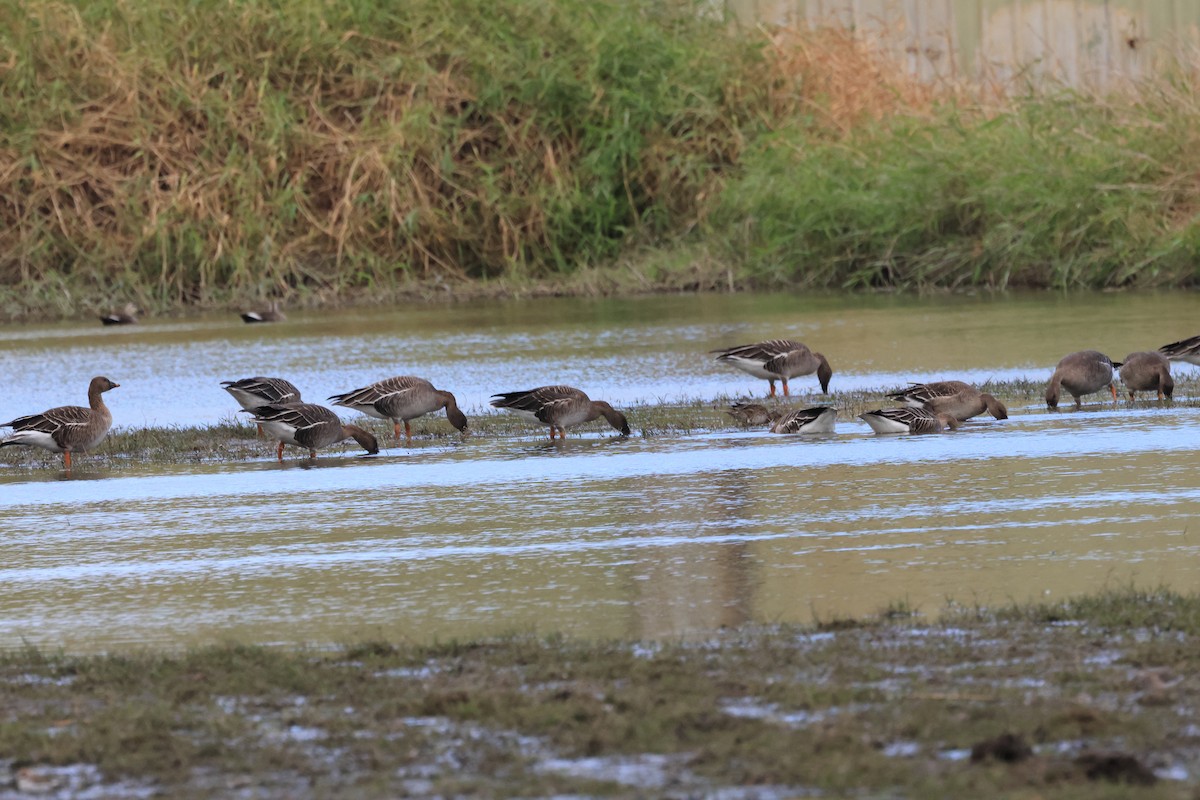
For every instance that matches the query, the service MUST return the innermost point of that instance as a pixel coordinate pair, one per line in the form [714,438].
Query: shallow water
[599,535]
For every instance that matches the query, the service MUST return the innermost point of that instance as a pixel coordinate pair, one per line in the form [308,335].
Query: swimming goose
[777,360]
[309,426]
[402,398]
[956,398]
[907,419]
[1081,373]
[126,316]
[254,393]
[752,414]
[560,407]
[1186,350]
[273,313]
[66,429]
[1148,372]
[820,419]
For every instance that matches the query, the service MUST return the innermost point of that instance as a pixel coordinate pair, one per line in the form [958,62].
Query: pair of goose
[926,408]
[281,413]
[128,315]
[278,409]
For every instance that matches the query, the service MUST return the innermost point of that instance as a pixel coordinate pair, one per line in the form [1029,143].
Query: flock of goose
[277,407]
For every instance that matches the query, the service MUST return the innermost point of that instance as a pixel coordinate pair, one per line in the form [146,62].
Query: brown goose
[907,419]
[752,414]
[1186,350]
[309,426]
[560,407]
[402,398]
[777,360]
[1149,372]
[272,313]
[126,316]
[66,429]
[820,419]
[254,393]
[956,398]
[1081,373]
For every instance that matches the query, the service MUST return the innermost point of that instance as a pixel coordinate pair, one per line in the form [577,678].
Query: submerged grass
[232,440]
[191,153]
[1082,699]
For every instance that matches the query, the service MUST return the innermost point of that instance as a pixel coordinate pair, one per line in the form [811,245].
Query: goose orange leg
[772,392]
[785,389]
[67,460]
[279,453]
[1113,387]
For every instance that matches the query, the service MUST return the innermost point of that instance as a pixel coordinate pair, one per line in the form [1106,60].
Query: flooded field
[650,536]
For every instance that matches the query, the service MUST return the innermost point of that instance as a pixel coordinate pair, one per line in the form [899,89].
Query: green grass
[202,153]
[874,709]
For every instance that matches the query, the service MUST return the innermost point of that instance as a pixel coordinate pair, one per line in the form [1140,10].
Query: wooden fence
[1086,44]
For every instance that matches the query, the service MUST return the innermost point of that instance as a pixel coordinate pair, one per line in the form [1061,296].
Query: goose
[820,419]
[958,399]
[402,398]
[1150,372]
[257,392]
[309,426]
[1081,373]
[126,316]
[1186,350]
[777,360]
[273,313]
[560,407]
[907,419]
[66,429]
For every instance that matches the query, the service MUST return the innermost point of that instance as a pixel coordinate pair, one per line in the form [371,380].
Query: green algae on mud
[1092,697]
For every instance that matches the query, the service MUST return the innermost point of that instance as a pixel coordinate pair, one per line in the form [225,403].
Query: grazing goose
[777,360]
[1187,350]
[66,429]
[309,426]
[560,407]
[1081,373]
[126,316]
[273,313]
[402,398]
[956,398]
[1148,372]
[752,414]
[254,393]
[907,419]
[819,419]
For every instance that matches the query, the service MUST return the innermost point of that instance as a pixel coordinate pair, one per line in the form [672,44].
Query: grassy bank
[1088,698]
[204,153]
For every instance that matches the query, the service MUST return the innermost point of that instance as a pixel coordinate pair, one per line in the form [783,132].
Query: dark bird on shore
[66,429]
[560,407]
[126,316]
[777,360]
[272,313]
